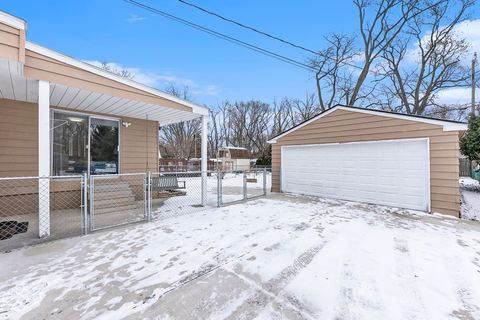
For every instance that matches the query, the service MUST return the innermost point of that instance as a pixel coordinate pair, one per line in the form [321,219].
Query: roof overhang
[12,21]
[77,85]
[446,124]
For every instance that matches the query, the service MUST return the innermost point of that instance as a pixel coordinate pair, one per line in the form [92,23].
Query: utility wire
[222,36]
[230,39]
[240,24]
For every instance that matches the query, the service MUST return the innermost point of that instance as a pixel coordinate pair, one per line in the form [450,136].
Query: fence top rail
[42,177]
[181,172]
[107,176]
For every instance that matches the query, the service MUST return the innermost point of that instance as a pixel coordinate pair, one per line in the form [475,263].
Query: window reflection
[69,144]
[103,146]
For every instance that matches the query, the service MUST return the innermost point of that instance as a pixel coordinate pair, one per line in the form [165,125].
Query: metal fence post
[84,203]
[149,196]
[264,181]
[91,212]
[245,185]
[145,192]
[219,189]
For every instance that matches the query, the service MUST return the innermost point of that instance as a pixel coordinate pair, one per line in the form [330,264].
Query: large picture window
[83,144]
[69,144]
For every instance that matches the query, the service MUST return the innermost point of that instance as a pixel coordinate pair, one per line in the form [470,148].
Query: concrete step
[114,197]
[99,195]
[114,202]
[111,187]
[114,209]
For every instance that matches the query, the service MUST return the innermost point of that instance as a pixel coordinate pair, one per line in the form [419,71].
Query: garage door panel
[387,172]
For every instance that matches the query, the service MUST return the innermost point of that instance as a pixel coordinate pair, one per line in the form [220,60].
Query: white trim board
[12,21]
[201,110]
[447,125]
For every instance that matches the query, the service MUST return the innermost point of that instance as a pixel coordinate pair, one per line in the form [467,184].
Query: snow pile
[470,196]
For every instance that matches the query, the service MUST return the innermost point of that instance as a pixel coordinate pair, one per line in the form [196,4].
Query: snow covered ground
[283,257]
[470,192]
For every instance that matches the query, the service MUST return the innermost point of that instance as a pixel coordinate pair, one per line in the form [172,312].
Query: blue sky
[160,51]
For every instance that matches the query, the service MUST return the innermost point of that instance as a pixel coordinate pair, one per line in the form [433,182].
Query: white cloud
[455,96]
[470,30]
[209,90]
[134,18]
[160,81]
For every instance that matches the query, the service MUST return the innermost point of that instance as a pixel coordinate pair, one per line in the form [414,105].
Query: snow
[281,257]
[470,193]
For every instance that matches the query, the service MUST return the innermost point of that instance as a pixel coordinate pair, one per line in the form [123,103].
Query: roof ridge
[360,109]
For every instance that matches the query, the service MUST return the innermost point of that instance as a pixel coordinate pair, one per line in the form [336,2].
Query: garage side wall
[343,126]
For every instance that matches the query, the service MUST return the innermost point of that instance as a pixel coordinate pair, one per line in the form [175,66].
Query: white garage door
[394,173]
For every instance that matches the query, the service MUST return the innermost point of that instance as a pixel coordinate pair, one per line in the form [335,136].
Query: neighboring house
[60,116]
[372,156]
[173,164]
[194,164]
[234,158]
[181,165]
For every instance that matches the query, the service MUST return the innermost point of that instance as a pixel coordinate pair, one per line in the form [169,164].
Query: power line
[229,38]
[222,36]
[269,35]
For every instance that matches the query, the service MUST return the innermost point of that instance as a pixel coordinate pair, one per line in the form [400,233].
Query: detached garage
[372,156]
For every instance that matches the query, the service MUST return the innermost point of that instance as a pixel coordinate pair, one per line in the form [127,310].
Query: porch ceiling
[15,86]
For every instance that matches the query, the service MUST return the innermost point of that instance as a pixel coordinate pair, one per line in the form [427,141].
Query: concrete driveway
[284,257]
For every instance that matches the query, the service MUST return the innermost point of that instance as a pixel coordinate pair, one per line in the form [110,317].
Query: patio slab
[287,257]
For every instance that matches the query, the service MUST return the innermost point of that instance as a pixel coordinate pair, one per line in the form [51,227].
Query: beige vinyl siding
[12,43]
[137,143]
[349,126]
[18,138]
[19,141]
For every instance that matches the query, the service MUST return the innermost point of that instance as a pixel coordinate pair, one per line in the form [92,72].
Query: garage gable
[350,119]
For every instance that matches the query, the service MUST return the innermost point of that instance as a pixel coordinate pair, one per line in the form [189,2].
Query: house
[195,163]
[60,116]
[372,156]
[182,165]
[172,165]
[234,158]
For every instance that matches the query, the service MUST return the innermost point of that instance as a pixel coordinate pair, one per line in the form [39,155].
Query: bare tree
[453,112]
[122,72]
[215,137]
[305,109]
[333,78]
[249,122]
[437,58]
[380,23]
[180,140]
[282,116]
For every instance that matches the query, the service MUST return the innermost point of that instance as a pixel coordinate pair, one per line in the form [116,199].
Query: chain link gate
[236,187]
[116,200]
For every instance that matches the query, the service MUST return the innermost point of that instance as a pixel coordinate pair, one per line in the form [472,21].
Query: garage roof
[448,125]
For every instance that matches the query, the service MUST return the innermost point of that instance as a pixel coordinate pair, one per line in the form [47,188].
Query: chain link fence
[238,186]
[179,193]
[38,209]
